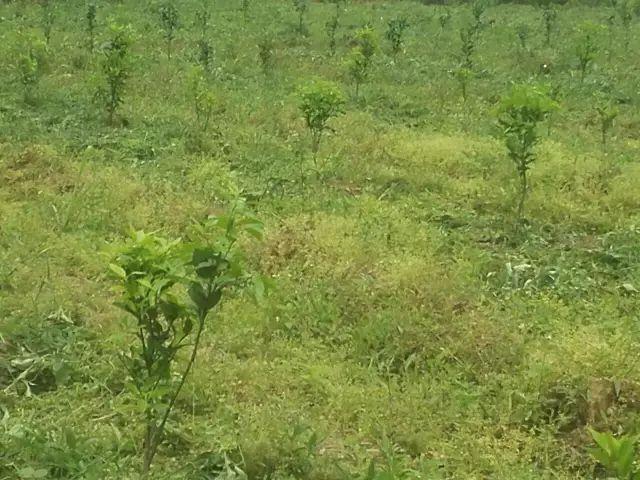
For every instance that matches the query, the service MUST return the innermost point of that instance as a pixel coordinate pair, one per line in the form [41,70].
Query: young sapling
[519,115]
[170,288]
[320,101]
[395,33]
[170,23]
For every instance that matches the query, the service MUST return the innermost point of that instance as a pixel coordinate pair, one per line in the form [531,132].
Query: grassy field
[414,324]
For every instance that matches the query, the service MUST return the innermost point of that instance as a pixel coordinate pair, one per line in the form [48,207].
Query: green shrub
[395,32]
[616,455]
[170,288]
[320,101]
[115,65]
[519,115]
[358,61]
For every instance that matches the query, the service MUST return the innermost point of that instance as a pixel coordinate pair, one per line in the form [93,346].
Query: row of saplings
[153,270]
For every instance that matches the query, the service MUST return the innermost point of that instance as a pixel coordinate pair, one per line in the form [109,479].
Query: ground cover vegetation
[283,239]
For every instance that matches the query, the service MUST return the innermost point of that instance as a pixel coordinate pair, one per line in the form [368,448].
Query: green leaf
[118,271]
[29,472]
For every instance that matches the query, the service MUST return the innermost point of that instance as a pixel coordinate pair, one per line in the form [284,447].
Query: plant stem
[154,434]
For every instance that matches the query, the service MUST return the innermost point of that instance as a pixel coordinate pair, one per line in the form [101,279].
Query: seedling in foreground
[519,116]
[617,455]
[320,101]
[170,288]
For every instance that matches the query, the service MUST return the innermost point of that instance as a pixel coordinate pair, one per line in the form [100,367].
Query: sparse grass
[410,323]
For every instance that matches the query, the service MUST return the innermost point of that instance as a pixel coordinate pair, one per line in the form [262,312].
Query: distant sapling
[115,65]
[519,115]
[301,7]
[320,101]
[90,17]
[586,47]
[468,39]
[29,66]
[443,19]
[205,101]
[48,18]
[395,33]
[331,28]
[549,16]
[359,60]
[607,114]
[266,52]
[170,22]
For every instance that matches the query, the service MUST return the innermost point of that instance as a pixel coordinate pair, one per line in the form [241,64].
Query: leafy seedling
[519,114]
[170,288]
[116,67]
[320,101]
[616,455]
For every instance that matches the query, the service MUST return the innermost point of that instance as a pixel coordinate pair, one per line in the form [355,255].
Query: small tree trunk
[523,194]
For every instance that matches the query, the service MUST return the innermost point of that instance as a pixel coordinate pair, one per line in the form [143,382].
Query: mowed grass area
[412,323]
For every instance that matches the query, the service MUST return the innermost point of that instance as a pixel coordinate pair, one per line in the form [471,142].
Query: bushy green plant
[519,114]
[90,17]
[395,33]
[616,455]
[116,66]
[358,61]
[170,288]
[549,17]
[320,101]
[301,7]
[366,41]
[170,23]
